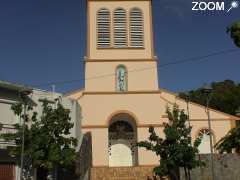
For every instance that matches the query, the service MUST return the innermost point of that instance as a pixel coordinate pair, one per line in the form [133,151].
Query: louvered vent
[136,28]
[103,28]
[120,29]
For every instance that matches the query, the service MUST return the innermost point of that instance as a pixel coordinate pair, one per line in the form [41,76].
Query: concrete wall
[226,167]
[7,117]
[7,98]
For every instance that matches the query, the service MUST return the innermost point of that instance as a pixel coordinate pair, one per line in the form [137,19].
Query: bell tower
[120,53]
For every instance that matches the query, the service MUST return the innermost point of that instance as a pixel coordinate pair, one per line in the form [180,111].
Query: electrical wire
[185,60]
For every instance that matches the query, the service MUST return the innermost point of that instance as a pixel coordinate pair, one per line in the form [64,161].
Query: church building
[121,97]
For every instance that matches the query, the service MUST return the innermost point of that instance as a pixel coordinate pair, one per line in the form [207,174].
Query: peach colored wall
[220,128]
[146,53]
[100,141]
[139,80]
[96,109]
[99,146]
[147,109]
[147,157]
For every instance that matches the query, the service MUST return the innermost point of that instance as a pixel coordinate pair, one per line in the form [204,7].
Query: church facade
[121,98]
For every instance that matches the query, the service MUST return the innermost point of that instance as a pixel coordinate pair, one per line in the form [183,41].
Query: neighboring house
[11,93]
[121,98]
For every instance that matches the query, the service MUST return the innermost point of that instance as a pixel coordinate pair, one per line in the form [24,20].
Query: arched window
[204,147]
[121,78]
[136,28]
[120,30]
[103,28]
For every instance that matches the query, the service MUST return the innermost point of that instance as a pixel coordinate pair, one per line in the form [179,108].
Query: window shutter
[120,30]
[103,28]
[136,28]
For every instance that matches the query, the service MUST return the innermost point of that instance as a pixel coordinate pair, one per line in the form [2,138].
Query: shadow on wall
[84,159]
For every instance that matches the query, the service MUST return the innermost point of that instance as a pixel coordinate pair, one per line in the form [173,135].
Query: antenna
[53,89]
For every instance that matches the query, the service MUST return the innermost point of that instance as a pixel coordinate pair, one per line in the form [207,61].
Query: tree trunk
[185,172]
[175,174]
[52,174]
[189,174]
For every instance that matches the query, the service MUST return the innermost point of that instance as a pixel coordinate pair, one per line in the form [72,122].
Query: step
[122,173]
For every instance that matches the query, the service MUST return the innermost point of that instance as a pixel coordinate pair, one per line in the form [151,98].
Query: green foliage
[175,150]
[47,140]
[234,31]
[225,96]
[230,142]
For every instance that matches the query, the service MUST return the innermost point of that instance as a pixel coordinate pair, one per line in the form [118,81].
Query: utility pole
[238,115]
[24,97]
[207,90]
[188,113]
[23,139]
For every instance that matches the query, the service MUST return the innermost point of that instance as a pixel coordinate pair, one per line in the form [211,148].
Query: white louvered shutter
[103,28]
[120,29]
[136,28]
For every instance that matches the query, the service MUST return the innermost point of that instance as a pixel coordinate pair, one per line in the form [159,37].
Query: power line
[185,60]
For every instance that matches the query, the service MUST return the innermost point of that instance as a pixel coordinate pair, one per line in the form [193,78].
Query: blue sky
[44,41]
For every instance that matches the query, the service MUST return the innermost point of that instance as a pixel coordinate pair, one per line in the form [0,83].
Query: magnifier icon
[234,4]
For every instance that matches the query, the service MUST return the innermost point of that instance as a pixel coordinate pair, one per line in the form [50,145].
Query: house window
[136,28]
[103,28]
[121,78]
[120,30]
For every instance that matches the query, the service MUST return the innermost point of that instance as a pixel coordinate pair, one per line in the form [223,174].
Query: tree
[47,138]
[228,101]
[176,149]
[230,142]
[225,96]
[234,31]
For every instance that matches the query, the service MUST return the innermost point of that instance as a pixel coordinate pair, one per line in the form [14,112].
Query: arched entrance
[122,139]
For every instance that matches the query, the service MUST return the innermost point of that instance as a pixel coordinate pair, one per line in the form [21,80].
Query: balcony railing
[4,129]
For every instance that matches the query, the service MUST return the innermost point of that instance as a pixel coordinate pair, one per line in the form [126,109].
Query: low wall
[226,167]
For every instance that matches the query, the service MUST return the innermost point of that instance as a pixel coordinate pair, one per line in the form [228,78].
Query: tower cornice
[154,59]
